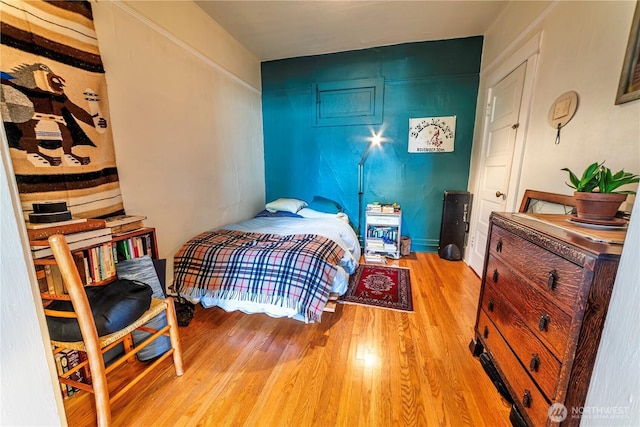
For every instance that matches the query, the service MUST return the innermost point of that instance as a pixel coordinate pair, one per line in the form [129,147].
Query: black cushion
[113,306]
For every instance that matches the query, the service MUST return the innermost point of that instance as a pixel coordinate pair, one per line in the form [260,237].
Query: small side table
[382,233]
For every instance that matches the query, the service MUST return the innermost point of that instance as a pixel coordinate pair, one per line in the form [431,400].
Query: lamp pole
[361,183]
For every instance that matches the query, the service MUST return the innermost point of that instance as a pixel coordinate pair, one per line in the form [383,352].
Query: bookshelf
[96,262]
[382,235]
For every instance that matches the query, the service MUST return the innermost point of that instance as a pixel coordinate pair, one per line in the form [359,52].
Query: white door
[501,127]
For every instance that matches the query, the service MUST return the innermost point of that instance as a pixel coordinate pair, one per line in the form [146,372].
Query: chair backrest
[532,196]
[82,309]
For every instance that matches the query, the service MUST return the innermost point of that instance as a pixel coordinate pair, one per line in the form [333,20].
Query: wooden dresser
[544,298]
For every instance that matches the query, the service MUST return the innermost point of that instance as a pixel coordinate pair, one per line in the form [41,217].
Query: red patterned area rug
[386,287]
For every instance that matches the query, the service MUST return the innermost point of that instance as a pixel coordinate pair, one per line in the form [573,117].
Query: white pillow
[287,205]
[311,213]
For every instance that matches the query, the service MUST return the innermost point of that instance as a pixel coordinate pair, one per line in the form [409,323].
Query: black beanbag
[114,306]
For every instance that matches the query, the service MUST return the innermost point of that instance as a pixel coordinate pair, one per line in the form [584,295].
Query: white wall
[28,388]
[582,49]
[187,127]
[185,111]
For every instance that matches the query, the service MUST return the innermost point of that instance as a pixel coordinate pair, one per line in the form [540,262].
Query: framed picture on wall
[629,87]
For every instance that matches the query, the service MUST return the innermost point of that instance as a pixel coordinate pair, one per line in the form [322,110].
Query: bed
[281,263]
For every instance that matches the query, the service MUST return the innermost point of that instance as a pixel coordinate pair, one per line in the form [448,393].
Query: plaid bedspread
[294,271]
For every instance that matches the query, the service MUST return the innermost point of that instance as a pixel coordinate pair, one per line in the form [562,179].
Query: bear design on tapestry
[37,113]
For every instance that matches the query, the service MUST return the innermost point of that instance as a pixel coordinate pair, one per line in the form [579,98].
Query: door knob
[500,194]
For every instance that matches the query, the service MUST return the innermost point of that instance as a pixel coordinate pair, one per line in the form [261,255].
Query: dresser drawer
[543,367]
[527,394]
[557,278]
[545,319]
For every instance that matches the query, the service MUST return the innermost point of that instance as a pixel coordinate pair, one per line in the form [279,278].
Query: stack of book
[94,251]
[375,245]
[383,208]
[125,223]
[374,208]
[75,225]
[66,361]
[374,258]
[82,239]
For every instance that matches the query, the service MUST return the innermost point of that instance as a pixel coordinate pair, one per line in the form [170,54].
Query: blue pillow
[142,270]
[322,204]
[266,213]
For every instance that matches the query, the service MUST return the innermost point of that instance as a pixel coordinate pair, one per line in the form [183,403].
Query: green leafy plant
[597,178]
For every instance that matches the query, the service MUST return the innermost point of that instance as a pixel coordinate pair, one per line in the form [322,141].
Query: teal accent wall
[425,79]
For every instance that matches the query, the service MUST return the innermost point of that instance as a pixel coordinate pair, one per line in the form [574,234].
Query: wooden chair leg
[173,335]
[128,346]
[99,384]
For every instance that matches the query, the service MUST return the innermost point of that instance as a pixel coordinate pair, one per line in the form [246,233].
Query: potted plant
[597,196]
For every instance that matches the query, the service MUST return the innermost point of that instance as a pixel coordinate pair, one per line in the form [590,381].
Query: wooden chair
[95,346]
[531,196]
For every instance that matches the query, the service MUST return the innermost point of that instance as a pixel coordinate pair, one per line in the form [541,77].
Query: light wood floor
[360,366]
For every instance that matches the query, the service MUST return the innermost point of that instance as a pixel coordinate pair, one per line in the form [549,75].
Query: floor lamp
[375,141]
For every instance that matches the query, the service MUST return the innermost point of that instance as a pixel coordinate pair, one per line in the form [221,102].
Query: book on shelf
[76,227]
[73,237]
[38,225]
[42,280]
[62,363]
[124,223]
[73,360]
[55,283]
[382,208]
[99,264]
[86,372]
[374,258]
[88,280]
[66,360]
[133,247]
[375,244]
[75,241]
[61,370]
[125,228]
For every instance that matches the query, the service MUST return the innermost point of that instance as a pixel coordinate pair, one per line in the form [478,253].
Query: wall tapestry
[54,107]
[432,134]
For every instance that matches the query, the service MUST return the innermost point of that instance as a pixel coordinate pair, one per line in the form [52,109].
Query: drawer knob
[490,305]
[526,399]
[553,278]
[495,276]
[544,322]
[534,365]
[499,246]
[485,333]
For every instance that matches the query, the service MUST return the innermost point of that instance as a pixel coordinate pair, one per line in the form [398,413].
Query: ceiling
[288,29]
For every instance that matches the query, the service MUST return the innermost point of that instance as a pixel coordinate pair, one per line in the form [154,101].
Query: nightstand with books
[382,235]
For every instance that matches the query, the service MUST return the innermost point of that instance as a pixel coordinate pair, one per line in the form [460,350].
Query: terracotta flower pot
[598,206]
